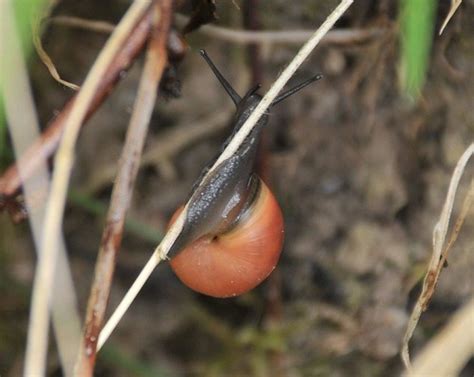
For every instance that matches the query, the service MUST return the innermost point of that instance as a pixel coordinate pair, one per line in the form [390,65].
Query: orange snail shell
[236,261]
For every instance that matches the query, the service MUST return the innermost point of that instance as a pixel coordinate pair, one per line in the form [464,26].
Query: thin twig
[35,361]
[161,251]
[454,7]
[23,124]
[449,351]
[122,192]
[165,147]
[83,23]
[45,146]
[466,206]
[436,262]
[336,36]
[9,182]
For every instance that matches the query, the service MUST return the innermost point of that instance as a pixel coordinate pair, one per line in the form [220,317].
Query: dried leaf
[43,55]
[438,256]
[47,61]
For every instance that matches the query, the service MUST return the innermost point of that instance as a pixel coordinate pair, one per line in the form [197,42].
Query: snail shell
[239,259]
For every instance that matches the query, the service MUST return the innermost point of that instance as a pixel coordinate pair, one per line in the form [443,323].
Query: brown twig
[84,24]
[38,334]
[122,192]
[45,146]
[20,113]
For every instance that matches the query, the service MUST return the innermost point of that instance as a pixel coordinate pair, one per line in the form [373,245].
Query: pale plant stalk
[336,36]
[439,236]
[449,351]
[24,128]
[162,249]
[37,344]
[454,7]
[155,63]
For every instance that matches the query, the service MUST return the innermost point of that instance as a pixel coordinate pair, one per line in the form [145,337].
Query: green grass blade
[417,32]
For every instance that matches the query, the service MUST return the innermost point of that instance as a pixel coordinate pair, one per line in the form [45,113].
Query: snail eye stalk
[296,89]
[228,88]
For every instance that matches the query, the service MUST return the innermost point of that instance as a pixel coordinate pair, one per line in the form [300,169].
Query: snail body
[232,234]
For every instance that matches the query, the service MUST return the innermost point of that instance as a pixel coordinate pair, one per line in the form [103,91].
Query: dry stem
[454,7]
[43,147]
[46,145]
[43,55]
[48,62]
[36,350]
[438,256]
[23,124]
[161,251]
[122,192]
[448,352]
[336,36]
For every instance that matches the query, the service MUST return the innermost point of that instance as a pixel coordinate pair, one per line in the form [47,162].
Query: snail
[232,234]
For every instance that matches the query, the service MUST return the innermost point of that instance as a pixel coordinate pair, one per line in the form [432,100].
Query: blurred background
[360,163]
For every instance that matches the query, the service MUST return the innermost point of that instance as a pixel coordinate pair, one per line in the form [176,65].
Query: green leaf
[417,31]
[26,13]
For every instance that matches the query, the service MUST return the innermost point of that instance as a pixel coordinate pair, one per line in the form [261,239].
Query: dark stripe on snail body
[232,235]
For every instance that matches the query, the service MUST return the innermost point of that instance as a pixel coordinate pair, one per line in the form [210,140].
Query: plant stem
[162,249]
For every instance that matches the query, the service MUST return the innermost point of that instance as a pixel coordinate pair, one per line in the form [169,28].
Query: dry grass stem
[449,351]
[82,23]
[438,256]
[155,63]
[162,249]
[47,61]
[43,55]
[337,36]
[465,208]
[23,122]
[454,7]
[43,147]
[38,327]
